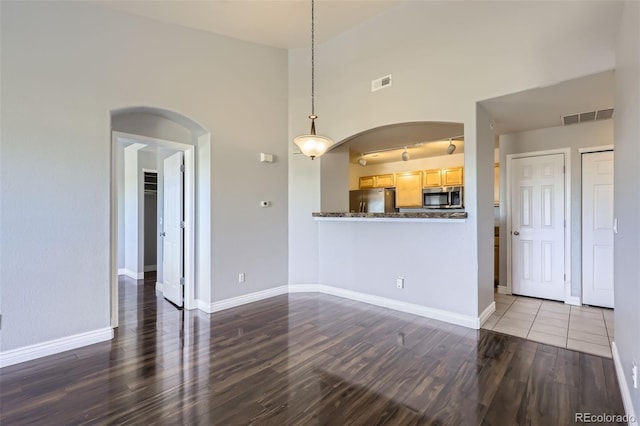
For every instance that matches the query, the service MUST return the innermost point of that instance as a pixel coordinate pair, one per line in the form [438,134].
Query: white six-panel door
[537,224]
[172,241]
[597,229]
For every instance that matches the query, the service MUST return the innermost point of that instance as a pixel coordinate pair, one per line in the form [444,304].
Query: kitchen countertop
[404,216]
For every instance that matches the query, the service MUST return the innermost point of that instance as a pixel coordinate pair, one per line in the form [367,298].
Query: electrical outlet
[400,282]
[634,374]
[241,277]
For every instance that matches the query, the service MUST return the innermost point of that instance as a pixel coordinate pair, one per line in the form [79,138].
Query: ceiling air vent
[587,116]
[381,83]
[570,119]
[604,114]
[583,117]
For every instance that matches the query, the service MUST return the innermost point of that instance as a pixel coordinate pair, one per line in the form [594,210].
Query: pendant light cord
[313,57]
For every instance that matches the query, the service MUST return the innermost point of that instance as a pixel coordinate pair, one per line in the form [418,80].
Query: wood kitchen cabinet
[385,181]
[378,181]
[452,176]
[367,182]
[409,189]
[432,178]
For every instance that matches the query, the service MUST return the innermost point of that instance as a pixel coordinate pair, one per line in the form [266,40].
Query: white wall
[133,210]
[120,185]
[64,67]
[444,57]
[627,195]
[584,135]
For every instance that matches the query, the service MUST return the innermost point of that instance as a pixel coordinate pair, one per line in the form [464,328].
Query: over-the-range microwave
[446,197]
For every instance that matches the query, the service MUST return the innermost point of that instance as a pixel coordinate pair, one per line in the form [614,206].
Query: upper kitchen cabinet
[452,176]
[367,182]
[378,181]
[432,178]
[409,189]
[385,181]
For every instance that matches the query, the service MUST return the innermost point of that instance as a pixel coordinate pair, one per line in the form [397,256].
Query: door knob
[162,234]
[516,233]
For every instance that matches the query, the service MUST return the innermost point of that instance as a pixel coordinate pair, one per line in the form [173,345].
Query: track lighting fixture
[405,154]
[451,148]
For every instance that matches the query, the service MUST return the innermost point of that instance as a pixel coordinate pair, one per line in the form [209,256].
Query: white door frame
[590,150]
[567,217]
[189,215]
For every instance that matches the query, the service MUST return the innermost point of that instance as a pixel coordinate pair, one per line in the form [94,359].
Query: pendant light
[451,148]
[313,145]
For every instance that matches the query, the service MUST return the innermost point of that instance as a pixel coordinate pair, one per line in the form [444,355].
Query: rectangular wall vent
[381,83]
[583,117]
[604,114]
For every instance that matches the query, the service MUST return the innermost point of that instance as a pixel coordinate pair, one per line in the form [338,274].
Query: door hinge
[182,168]
[182,224]
[565,223]
[565,277]
[564,169]
[182,281]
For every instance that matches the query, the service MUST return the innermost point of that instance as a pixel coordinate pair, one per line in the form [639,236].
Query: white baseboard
[159,287]
[149,268]
[131,274]
[502,289]
[241,300]
[27,353]
[486,313]
[624,388]
[397,305]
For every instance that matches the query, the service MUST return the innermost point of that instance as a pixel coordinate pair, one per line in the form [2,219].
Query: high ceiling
[285,24]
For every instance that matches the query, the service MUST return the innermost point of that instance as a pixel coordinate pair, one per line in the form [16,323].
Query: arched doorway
[167,132]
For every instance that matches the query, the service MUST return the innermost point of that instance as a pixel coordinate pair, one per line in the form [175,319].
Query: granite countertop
[405,215]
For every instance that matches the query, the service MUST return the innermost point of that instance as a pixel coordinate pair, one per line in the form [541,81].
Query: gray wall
[627,195]
[64,67]
[576,136]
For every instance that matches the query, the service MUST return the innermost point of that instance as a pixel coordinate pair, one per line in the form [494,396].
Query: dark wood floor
[303,359]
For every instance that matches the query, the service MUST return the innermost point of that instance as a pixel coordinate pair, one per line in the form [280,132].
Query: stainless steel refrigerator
[372,201]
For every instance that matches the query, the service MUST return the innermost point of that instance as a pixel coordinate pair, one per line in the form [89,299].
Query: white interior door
[172,242]
[537,224]
[597,228]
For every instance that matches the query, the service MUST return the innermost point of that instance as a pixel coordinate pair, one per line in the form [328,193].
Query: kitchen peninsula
[399,216]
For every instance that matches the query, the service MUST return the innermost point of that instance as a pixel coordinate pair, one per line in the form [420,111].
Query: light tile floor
[581,328]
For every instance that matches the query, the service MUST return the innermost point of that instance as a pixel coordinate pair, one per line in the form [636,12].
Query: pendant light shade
[313,145]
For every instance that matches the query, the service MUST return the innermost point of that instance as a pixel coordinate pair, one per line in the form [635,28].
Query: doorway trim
[582,151]
[189,216]
[568,298]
